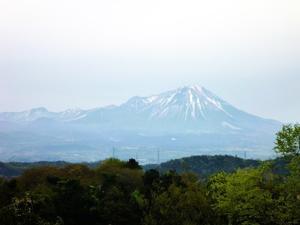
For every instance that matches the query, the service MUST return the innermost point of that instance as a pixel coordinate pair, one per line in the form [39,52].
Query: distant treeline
[203,166]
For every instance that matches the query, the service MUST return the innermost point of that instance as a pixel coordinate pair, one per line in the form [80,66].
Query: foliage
[180,202]
[288,140]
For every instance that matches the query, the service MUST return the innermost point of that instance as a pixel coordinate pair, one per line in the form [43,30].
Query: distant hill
[13,169]
[205,165]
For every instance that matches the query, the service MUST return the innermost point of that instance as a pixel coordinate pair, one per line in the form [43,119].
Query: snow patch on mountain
[229,125]
[72,114]
[43,113]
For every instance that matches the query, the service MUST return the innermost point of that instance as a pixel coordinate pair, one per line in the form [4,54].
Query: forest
[119,192]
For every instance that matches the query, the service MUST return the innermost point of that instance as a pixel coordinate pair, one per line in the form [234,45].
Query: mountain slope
[187,103]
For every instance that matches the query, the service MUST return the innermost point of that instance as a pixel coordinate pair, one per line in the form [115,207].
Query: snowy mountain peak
[186,103]
[193,87]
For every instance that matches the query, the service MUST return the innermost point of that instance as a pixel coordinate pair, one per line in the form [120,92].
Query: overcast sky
[67,53]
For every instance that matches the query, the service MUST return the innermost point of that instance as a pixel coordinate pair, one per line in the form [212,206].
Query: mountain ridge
[186,105]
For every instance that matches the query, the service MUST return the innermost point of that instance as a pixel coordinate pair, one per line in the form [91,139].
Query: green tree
[178,203]
[247,196]
[25,211]
[291,192]
[288,144]
[133,164]
[288,140]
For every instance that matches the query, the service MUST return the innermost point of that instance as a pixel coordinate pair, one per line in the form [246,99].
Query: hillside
[205,165]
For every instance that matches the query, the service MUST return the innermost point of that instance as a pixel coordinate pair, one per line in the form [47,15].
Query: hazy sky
[62,54]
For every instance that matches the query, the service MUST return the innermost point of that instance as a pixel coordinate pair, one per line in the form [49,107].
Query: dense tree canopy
[288,140]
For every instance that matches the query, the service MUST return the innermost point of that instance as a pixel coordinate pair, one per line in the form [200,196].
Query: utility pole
[113,152]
